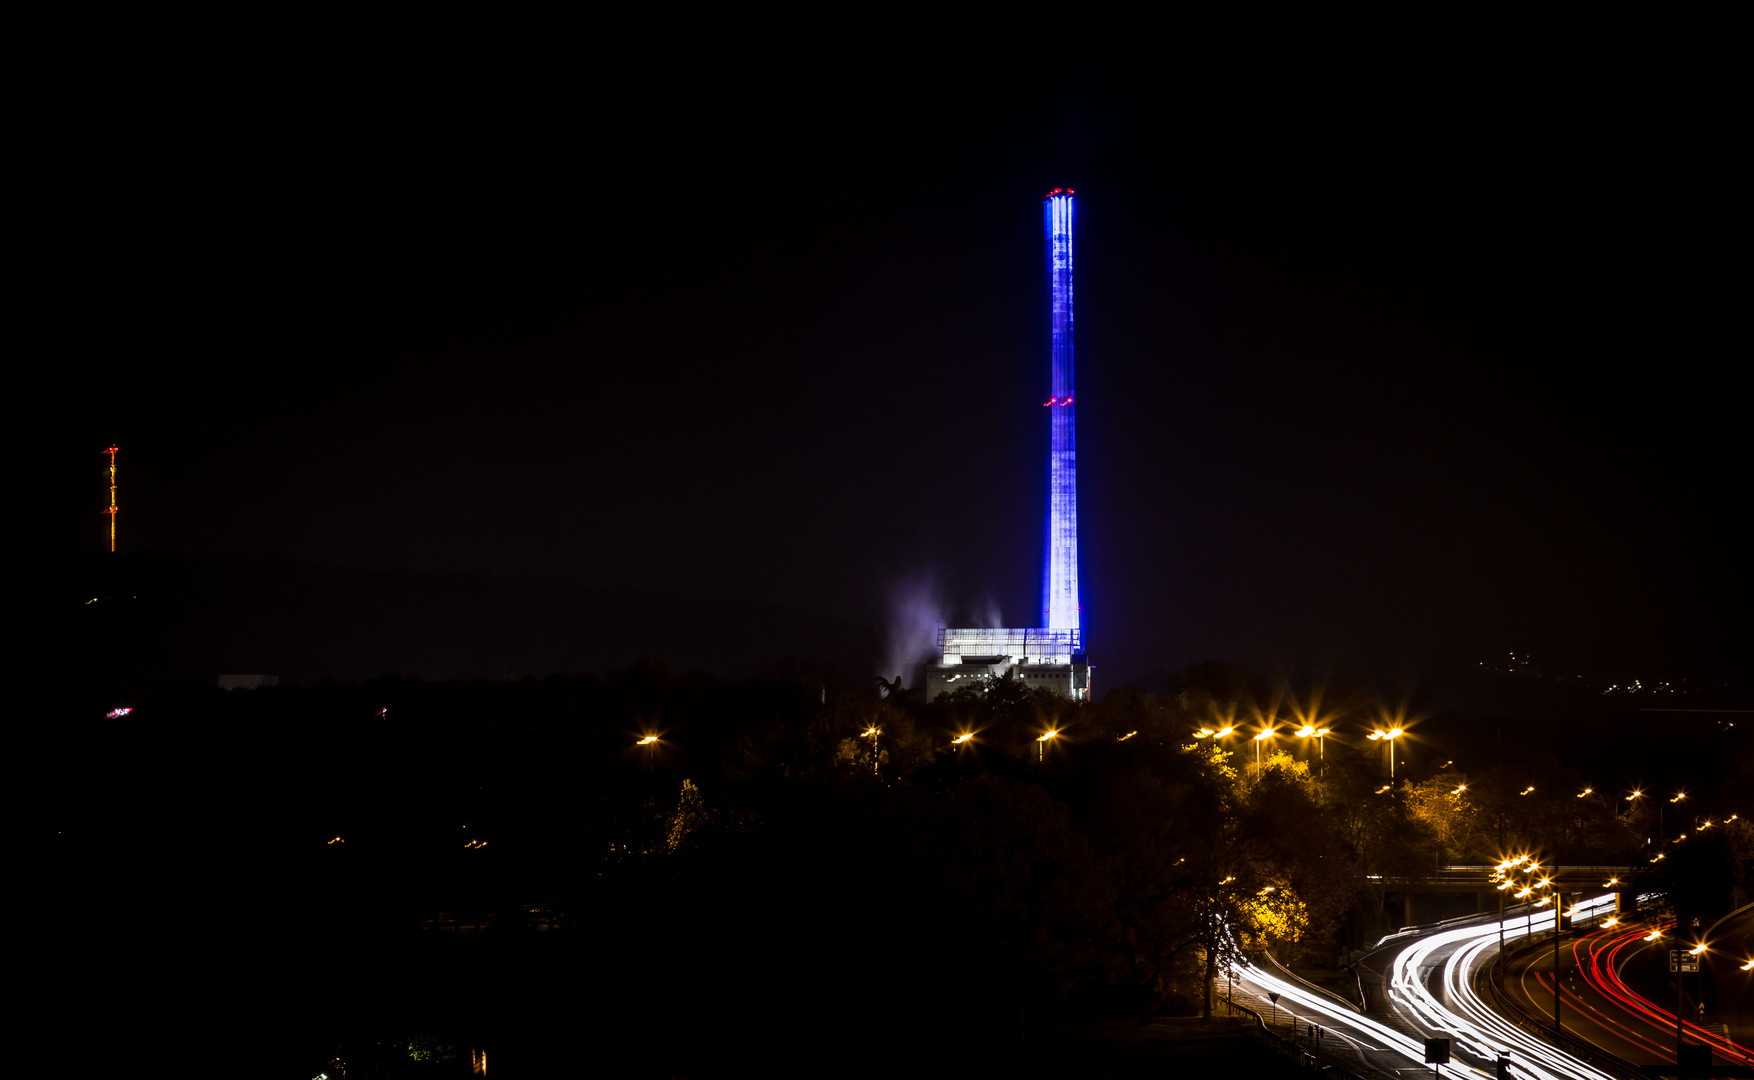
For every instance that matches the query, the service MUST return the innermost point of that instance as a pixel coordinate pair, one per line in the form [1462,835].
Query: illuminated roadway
[1426,992]
[1599,1006]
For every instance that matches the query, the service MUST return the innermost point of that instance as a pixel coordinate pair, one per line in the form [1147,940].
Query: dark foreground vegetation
[799,875]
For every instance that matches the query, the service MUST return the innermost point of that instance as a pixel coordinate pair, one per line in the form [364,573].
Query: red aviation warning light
[1058,191]
[111,509]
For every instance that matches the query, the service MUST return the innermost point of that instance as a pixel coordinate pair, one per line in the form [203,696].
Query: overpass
[1469,890]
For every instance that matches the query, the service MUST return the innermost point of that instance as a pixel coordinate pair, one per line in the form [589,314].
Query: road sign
[1437,1051]
[1273,997]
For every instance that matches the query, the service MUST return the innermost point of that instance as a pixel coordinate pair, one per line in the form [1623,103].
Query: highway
[1600,1004]
[1426,992]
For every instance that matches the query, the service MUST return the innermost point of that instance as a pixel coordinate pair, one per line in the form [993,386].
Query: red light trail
[1596,958]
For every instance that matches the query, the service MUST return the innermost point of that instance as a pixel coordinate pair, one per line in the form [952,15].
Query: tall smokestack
[1060,608]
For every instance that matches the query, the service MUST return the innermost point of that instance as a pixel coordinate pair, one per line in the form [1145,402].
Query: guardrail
[1292,976]
[1486,986]
[1281,1044]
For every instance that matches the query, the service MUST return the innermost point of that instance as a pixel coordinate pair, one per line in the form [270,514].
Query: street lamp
[960,739]
[650,742]
[1266,733]
[1042,744]
[871,733]
[1388,736]
[1321,737]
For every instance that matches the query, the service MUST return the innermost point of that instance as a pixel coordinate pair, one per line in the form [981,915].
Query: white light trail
[1476,1029]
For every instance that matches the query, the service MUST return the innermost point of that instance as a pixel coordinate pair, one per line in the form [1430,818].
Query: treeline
[797,855]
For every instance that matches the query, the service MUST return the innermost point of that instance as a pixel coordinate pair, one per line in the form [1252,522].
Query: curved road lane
[1598,1005]
[1427,991]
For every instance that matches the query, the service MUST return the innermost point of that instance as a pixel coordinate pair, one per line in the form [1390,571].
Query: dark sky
[1381,363]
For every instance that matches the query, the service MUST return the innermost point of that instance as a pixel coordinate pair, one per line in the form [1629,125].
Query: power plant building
[1051,656]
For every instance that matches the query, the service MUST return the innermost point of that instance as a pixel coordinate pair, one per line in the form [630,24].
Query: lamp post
[1321,737]
[1389,736]
[1265,734]
[1662,830]
[1042,744]
[650,742]
[872,732]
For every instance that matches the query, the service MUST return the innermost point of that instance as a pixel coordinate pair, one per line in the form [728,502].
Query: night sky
[1383,365]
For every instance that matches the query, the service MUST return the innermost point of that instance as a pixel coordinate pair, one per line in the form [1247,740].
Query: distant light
[1696,950]
[960,739]
[872,732]
[1653,935]
[1045,738]
[114,713]
[1266,734]
[1585,791]
[1306,731]
[650,739]
[1127,736]
[1225,731]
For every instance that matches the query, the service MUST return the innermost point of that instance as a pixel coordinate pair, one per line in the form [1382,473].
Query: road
[1601,1003]
[1425,990]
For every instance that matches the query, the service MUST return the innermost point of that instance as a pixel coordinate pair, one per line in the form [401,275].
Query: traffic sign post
[1436,1053]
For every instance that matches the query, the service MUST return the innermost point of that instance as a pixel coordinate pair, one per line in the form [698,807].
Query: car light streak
[1475,1028]
[1389,1037]
[1602,972]
[1469,1021]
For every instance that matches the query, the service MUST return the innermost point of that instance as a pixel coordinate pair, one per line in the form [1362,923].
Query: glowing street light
[1127,736]
[1388,736]
[960,739]
[650,742]
[1042,744]
[1266,733]
[1527,790]
[1585,791]
[1653,935]
[1680,796]
[1320,735]
[1636,794]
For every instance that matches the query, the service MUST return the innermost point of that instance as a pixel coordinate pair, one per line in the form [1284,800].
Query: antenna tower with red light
[111,509]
